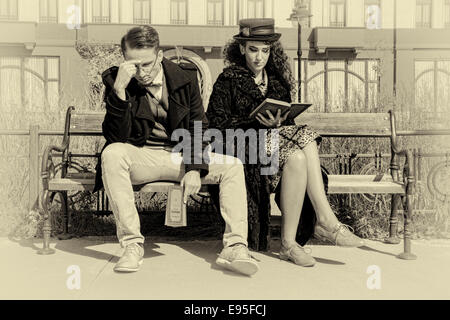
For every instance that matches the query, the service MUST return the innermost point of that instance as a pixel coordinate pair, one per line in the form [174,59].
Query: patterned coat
[234,96]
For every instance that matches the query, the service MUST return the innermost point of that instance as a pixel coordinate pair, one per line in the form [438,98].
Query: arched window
[30,83]
[179,55]
[341,85]
[432,85]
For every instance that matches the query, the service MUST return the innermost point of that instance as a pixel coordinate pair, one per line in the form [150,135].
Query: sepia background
[357,56]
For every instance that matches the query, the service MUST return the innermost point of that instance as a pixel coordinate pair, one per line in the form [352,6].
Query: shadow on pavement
[80,247]
[366,248]
[208,253]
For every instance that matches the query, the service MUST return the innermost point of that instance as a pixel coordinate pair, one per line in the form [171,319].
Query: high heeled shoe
[340,236]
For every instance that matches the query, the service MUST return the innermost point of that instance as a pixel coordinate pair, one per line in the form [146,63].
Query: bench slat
[87,184]
[353,184]
[377,124]
[337,184]
[87,121]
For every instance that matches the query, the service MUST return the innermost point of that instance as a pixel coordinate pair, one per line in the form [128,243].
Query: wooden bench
[400,186]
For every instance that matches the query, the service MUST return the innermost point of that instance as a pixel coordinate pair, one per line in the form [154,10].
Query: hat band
[261,31]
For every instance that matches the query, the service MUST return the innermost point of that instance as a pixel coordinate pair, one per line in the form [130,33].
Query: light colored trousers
[124,165]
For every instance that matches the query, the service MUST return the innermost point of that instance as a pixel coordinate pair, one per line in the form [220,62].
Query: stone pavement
[186,270]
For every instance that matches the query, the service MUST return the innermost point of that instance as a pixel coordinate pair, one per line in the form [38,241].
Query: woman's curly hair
[277,64]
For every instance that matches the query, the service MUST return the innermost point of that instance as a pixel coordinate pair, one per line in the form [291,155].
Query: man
[147,98]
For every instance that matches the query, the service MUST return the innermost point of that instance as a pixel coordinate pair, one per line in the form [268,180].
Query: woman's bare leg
[315,188]
[293,188]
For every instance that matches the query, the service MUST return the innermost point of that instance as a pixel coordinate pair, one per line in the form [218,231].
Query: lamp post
[298,15]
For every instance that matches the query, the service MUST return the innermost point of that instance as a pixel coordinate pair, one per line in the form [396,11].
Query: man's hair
[140,37]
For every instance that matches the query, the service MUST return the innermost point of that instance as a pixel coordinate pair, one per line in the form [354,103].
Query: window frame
[45,77]
[423,3]
[263,7]
[435,74]
[214,22]
[142,20]
[101,19]
[11,16]
[337,3]
[47,18]
[178,21]
[326,74]
[447,14]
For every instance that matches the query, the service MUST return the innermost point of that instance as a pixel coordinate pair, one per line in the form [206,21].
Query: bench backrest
[348,124]
[333,124]
[86,123]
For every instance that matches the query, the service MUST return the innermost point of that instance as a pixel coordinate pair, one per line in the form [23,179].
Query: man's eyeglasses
[147,69]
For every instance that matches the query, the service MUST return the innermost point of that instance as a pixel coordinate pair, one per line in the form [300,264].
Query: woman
[257,68]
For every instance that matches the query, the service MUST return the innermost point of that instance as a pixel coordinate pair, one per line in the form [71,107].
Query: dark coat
[234,96]
[132,121]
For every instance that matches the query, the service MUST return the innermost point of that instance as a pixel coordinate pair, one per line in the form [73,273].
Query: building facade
[353,51]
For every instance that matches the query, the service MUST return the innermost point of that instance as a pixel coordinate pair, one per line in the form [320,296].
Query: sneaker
[238,259]
[298,255]
[340,236]
[131,259]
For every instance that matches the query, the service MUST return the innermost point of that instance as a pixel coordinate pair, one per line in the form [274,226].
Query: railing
[141,20]
[178,21]
[48,19]
[99,19]
[34,134]
[337,24]
[215,22]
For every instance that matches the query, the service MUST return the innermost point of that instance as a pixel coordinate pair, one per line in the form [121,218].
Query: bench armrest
[47,166]
[408,168]
[408,165]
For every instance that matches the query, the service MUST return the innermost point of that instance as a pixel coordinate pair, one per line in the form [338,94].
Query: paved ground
[186,270]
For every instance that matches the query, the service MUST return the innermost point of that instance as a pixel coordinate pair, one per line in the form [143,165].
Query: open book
[273,105]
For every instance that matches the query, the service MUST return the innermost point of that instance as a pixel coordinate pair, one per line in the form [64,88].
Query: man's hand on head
[127,70]
[191,184]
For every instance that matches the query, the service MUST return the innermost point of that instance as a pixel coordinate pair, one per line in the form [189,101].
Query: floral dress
[291,138]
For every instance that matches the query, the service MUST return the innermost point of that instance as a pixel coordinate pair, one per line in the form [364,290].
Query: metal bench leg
[65,206]
[47,227]
[396,209]
[407,254]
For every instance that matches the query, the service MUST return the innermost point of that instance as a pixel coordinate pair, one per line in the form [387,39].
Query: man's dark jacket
[132,121]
